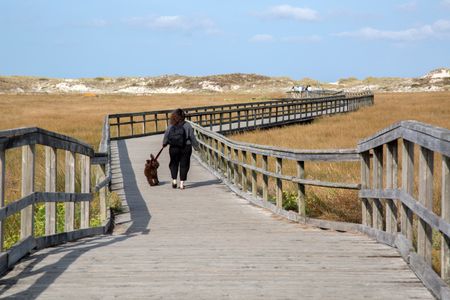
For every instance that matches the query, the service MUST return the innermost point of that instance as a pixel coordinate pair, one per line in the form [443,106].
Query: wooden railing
[28,139]
[392,207]
[238,117]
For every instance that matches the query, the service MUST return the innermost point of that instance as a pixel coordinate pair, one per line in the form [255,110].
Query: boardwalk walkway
[207,243]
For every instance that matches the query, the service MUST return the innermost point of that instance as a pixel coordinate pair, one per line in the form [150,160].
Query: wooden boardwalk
[207,243]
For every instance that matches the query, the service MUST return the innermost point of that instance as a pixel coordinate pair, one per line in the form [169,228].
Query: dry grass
[344,131]
[79,116]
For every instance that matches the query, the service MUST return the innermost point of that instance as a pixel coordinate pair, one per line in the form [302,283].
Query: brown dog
[151,170]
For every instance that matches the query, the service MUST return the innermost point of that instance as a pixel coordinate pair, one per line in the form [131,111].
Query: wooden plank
[50,186]
[265,185]
[28,169]
[377,183]
[254,176]
[424,230]
[301,195]
[279,186]
[365,183]
[85,188]
[100,174]
[236,172]
[391,183]
[445,213]
[69,208]
[244,172]
[407,186]
[2,193]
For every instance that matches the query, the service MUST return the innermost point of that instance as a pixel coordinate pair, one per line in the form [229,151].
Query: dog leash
[156,158]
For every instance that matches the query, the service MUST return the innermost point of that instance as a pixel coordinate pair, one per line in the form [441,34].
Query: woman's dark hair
[177,116]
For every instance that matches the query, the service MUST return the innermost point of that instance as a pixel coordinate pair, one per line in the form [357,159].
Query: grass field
[81,117]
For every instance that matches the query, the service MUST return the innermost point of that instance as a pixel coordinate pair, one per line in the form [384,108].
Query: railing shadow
[140,219]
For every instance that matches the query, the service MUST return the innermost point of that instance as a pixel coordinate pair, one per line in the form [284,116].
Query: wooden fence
[238,117]
[28,139]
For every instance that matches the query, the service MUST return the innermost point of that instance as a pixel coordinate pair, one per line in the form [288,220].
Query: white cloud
[261,38]
[446,3]
[289,12]
[439,29]
[408,6]
[174,23]
[98,23]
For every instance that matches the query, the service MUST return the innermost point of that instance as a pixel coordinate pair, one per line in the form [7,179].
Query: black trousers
[180,158]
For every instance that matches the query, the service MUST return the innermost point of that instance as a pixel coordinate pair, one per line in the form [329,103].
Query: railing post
[144,124]
[279,187]
[254,177]
[236,167]
[69,212]
[85,188]
[156,122]
[407,186]
[244,172]
[50,186]
[2,193]
[132,125]
[229,167]
[28,168]
[445,212]
[424,232]
[391,183]
[100,176]
[265,166]
[377,184]
[118,126]
[301,195]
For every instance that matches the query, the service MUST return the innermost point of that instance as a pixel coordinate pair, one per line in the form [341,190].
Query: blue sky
[325,40]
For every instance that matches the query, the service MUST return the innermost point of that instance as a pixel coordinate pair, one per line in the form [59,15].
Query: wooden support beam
[28,169]
[279,187]
[424,231]
[85,188]
[254,177]
[301,192]
[377,183]
[2,193]
[236,167]
[50,186]
[102,193]
[445,213]
[244,172]
[367,210]
[407,186]
[69,208]
[265,187]
[391,183]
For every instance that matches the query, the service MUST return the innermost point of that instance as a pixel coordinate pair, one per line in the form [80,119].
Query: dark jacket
[191,139]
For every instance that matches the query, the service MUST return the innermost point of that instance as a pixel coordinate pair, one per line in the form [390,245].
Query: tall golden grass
[344,131]
[79,116]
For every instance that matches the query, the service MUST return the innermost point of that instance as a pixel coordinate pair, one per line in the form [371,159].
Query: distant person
[180,137]
[308,90]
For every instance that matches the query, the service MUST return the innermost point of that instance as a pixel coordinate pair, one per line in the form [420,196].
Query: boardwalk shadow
[202,183]
[48,274]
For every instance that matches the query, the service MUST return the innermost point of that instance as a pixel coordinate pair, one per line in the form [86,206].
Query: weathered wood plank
[2,193]
[85,188]
[28,169]
[391,183]
[254,176]
[50,186]
[69,211]
[265,186]
[365,183]
[301,195]
[279,186]
[445,213]
[377,183]
[407,186]
[424,231]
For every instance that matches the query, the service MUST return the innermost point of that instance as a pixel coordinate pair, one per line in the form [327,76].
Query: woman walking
[180,136]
